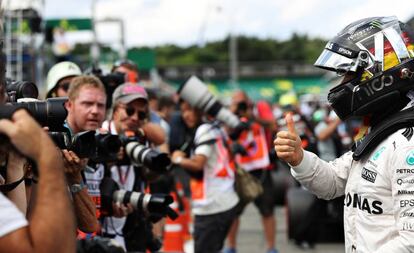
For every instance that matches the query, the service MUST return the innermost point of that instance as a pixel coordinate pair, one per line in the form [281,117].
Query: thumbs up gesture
[288,143]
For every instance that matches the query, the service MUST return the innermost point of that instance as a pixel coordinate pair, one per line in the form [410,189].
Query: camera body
[97,147]
[111,81]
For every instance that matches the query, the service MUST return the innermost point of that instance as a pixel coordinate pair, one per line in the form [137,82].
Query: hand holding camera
[73,166]
[26,135]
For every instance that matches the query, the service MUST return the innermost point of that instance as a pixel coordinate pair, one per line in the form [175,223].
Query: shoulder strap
[9,187]
[382,130]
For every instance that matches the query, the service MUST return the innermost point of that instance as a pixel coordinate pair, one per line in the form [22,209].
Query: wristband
[75,188]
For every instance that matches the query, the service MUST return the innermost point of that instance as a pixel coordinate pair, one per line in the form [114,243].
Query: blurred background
[264,47]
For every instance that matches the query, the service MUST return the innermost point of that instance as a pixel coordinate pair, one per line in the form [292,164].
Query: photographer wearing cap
[130,116]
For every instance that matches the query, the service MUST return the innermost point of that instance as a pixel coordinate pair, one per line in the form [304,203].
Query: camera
[138,153]
[51,112]
[241,108]
[110,81]
[195,92]
[98,244]
[20,89]
[154,206]
[97,147]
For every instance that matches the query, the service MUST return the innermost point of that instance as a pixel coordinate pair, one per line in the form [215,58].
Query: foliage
[299,48]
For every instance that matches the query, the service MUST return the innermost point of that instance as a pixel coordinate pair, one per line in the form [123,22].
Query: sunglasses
[131,111]
[64,86]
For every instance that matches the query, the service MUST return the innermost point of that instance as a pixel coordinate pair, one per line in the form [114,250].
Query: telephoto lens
[50,113]
[20,89]
[150,205]
[196,93]
[153,159]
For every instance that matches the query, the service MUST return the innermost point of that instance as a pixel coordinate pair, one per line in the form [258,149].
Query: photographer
[51,227]
[156,133]
[254,158]
[12,175]
[86,111]
[59,77]
[130,115]
[214,198]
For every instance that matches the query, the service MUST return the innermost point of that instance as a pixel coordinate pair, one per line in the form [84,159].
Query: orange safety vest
[224,168]
[254,142]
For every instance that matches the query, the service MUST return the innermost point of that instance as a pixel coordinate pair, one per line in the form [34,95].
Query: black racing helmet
[375,56]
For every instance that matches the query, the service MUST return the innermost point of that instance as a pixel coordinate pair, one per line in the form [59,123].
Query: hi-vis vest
[217,184]
[254,142]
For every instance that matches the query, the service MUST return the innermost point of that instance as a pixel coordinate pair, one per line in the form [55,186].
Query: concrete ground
[251,239]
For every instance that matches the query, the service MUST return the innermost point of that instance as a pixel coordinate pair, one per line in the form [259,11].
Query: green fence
[268,89]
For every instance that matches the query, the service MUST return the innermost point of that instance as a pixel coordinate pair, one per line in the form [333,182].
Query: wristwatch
[75,188]
[178,160]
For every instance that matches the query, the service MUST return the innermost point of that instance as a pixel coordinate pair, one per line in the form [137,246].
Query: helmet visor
[332,61]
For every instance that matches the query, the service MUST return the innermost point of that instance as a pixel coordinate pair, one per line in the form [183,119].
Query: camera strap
[9,187]
[123,177]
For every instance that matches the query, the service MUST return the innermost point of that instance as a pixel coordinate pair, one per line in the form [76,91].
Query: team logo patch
[368,175]
[378,153]
[410,158]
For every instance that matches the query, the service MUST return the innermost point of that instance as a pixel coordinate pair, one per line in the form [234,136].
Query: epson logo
[377,84]
[368,175]
[342,50]
[363,204]
[405,192]
[407,202]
